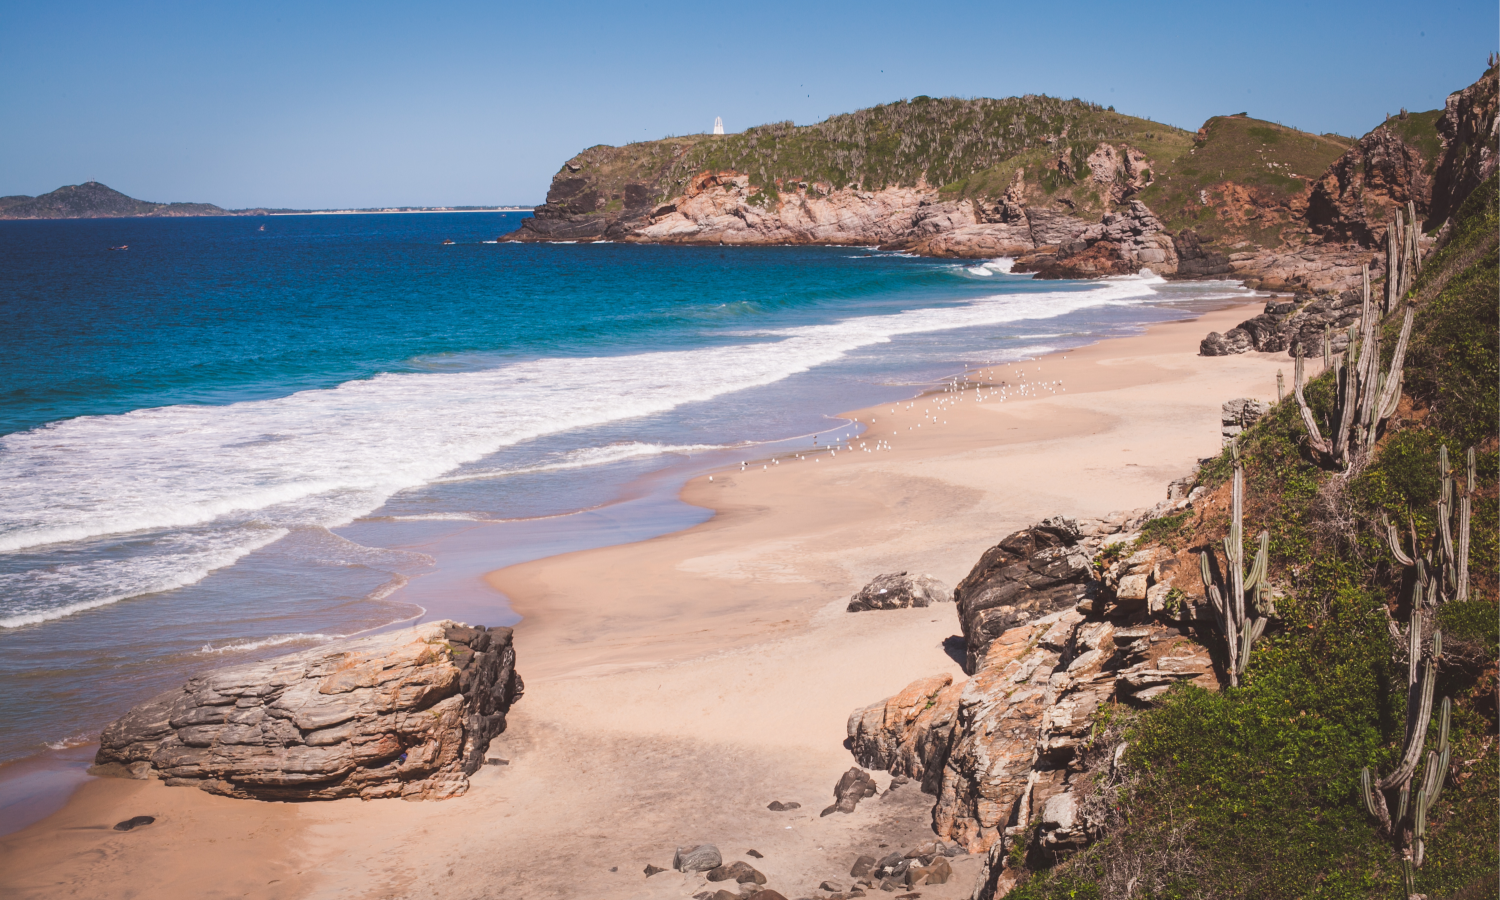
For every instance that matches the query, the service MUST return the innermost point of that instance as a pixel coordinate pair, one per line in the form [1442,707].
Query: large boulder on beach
[407,713]
[900,590]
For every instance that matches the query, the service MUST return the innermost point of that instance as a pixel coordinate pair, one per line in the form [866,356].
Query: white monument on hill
[718,125]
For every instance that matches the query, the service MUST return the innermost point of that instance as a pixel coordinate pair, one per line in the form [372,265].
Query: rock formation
[404,714]
[1355,199]
[1295,326]
[1056,630]
[900,591]
[1029,574]
[1470,132]
[1122,244]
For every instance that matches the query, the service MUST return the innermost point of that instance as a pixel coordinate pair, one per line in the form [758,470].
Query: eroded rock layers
[405,714]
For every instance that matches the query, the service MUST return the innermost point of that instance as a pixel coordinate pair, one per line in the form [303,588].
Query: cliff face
[1471,146]
[1355,199]
[92,200]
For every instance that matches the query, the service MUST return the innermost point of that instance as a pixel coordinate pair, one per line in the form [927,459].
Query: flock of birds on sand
[955,391]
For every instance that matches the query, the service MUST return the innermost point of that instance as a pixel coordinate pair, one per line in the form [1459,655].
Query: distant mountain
[92,200]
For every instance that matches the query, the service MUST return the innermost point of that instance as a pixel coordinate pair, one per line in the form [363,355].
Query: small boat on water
[121,247]
[446,241]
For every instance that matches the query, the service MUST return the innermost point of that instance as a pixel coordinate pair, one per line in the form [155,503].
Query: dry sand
[678,685]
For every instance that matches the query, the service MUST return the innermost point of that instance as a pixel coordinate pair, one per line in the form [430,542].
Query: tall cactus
[1409,825]
[1442,570]
[1364,396]
[1228,599]
[1403,256]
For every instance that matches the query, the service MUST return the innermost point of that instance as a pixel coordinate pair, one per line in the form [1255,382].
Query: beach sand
[676,686]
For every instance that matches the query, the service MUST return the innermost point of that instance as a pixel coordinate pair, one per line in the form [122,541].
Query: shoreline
[701,642]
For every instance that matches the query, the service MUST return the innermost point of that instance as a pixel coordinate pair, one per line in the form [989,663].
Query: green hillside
[1254,792]
[1269,165]
[961,144]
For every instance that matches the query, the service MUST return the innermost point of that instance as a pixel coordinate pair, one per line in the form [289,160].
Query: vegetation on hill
[1218,182]
[1254,792]
[1232,184]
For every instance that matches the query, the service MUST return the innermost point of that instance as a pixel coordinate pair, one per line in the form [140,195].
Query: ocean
[244,436]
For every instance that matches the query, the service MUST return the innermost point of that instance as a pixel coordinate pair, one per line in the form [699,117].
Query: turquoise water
[225,439]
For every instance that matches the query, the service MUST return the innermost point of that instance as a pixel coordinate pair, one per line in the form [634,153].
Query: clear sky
[337,104]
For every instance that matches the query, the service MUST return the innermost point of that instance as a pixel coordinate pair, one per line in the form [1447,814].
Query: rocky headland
[405,714]
[1066,188]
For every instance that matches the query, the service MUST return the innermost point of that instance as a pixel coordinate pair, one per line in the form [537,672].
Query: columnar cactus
[1364,397]
[1403,256]
[1442,570]
[1228,600]
[1409,825]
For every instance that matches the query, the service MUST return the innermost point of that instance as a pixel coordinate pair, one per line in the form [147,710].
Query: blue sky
[365,104]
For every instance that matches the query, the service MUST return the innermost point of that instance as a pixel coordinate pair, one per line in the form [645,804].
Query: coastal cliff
[1067,188]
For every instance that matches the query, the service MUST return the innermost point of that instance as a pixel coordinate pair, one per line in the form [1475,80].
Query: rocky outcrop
[1295,326]
[1004,752]
[1196,261]
[1030,574]
[404,714]
[853,786]
[900,590]
[1319,267]
[1123,243]
[1237,415]
[1358,195]
[908,734]
[1470,132]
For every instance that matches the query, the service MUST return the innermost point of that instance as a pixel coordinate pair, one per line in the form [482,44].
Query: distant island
[93,200]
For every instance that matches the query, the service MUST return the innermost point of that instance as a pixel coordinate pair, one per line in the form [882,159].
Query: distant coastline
[92,200]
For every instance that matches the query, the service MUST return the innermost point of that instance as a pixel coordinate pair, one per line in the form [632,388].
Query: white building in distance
[718,125]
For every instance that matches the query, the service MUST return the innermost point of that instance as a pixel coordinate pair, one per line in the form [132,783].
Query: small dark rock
[614,868]
[778,806]
[134,822]
[650,870]
[766,894]
[854,785]
[496,761]
[862,867]
[755,853]
[830,887]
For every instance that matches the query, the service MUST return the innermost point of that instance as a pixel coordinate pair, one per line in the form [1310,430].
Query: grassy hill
[1269,166]
[1218,181]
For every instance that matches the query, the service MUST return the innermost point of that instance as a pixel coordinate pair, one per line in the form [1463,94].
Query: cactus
[1364,397]
[1403,256]
[1442,571]
[1409,824]
[1280,386]
[1441,576]
[1228,601]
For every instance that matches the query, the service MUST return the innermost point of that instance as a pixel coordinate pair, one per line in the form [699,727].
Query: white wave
[209,475]
[28,593]
[1001,265]
[277,641]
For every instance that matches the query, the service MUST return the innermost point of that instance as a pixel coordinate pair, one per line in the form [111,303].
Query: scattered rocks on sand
[741,872]
[134,822]
[778,806]
[854,785]
[900,590]
[699,858]
[406,714]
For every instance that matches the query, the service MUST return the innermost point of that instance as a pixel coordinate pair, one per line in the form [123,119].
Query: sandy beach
[674,687]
